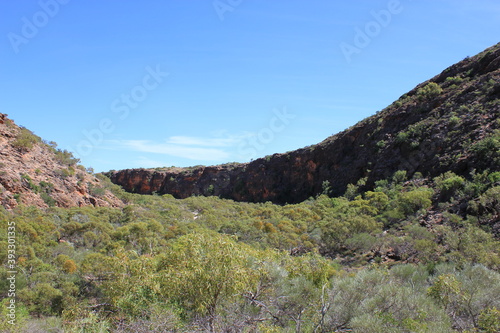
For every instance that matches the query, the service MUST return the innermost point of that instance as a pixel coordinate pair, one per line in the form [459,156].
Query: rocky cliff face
[447,123]
[36,173]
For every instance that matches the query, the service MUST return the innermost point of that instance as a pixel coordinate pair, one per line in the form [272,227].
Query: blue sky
[127,84]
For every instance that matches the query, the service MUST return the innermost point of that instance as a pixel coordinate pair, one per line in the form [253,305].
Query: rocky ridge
[35,173]
[438,126]
[443,124]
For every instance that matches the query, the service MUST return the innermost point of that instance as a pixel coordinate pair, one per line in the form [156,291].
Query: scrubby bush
[429,91]
[449,184]
[380,301]
[65,157]
[26,140]
[467,294]
[412,201]
[209,264]
[488,149]
[454,80]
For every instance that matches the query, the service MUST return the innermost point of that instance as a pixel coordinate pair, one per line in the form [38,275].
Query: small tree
[201,271]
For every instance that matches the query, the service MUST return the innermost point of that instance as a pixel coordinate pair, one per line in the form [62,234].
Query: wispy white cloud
[220,146]
[204,142]
[177,150]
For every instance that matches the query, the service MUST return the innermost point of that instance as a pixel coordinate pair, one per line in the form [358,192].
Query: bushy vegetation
[429,91]
[488,148]
[411,255]
[63,156]
[25,139]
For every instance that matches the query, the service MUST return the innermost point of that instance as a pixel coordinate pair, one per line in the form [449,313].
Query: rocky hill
[36,173]
[447,123]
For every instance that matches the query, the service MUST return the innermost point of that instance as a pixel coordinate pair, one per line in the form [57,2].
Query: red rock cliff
[436,127]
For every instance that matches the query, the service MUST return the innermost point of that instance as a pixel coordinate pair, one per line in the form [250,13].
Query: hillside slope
[449,123]
[38,174]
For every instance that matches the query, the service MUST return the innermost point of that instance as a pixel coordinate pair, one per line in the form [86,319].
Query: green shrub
[65,157]
[402,137]
[375,301]
[454,120]
[454,80]
[463,109]
[413,135]
[470,296]
[351,191]
[494,177]
[96,191]
[49,201]
[488,149]
[490,86]
[448,183]
[489,320]
[490,200]
[199,269]
[326,187]
[381,144]
[361,242]
[65,172]
[429,91]
[25,140]
[412,201]
[31,185]
[399,177]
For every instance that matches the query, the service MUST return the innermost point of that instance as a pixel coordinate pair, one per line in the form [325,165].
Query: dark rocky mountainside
[449,123]
[38,174]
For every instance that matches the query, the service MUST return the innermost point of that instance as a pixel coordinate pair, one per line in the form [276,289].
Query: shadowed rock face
[438,126]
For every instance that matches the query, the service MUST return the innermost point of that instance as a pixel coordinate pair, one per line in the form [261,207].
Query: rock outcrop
[35,173]
[447,123]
